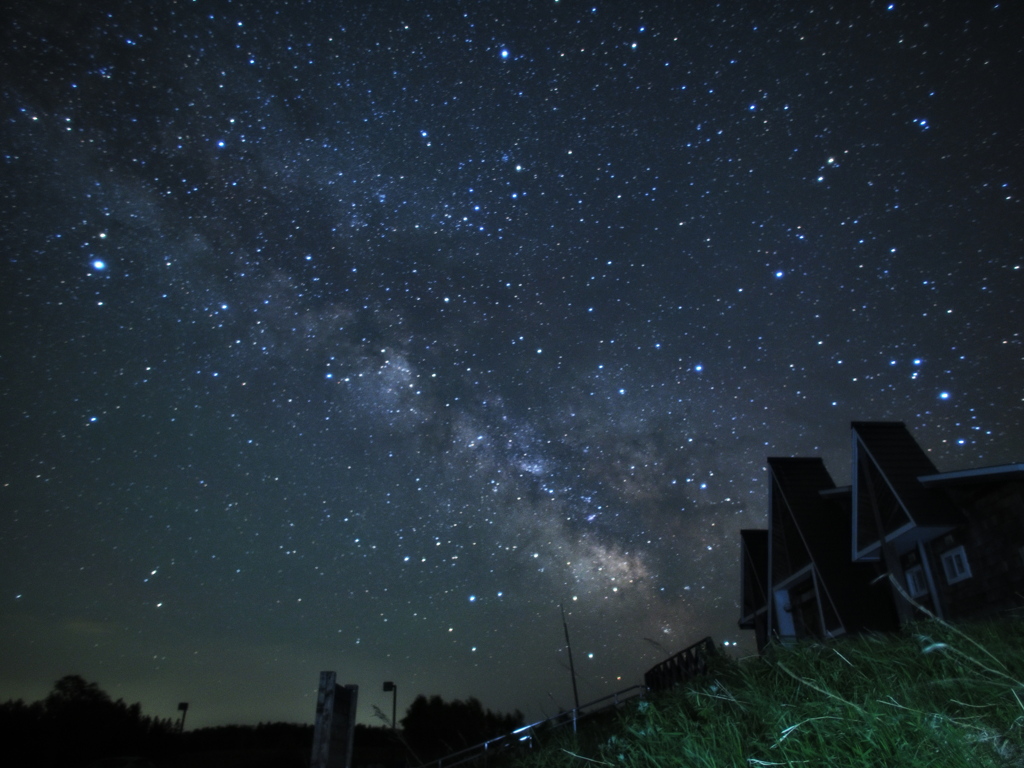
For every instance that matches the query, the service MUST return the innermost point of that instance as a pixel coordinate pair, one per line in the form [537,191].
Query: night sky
[361,335]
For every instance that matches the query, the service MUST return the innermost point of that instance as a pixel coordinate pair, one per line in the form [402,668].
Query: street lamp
[390,686]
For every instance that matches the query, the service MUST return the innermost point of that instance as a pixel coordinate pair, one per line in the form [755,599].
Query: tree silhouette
[77,723]
[434,728]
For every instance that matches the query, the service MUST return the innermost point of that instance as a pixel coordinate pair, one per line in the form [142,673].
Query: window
[955,564]
[916,582]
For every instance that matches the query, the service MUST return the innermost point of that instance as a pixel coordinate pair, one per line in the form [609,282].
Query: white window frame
[955,565]
[917,581]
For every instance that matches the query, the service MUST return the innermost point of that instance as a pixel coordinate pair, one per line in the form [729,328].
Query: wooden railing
[686,665]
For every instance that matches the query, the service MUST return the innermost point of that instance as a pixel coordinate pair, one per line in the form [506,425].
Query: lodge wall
[993,540]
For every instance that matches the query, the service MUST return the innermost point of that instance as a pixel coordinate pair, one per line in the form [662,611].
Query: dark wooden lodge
[841,560]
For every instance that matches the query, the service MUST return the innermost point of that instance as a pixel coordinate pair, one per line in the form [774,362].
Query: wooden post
[335,723]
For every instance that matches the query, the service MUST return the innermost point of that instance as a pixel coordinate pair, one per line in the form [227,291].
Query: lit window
[955,564]
[916,582]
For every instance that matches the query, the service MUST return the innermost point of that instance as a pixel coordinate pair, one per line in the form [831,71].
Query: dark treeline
[78,724]
[262,736]
[433,728]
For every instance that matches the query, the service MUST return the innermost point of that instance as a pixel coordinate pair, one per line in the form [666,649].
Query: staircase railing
[686,665]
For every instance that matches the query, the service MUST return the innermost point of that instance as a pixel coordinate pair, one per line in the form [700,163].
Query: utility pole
[572,668]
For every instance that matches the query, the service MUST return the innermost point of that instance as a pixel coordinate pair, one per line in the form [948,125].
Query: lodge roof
[969,476]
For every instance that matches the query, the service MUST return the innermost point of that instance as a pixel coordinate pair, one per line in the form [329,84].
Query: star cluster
[363,336]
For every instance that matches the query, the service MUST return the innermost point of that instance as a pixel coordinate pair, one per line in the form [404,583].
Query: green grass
[935,695]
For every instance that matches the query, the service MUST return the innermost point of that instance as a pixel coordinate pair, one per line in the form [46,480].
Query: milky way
[362,336]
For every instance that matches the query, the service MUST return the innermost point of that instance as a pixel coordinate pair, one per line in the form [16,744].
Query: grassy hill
[935,695]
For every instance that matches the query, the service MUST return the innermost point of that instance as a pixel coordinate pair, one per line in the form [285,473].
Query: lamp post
[390,686]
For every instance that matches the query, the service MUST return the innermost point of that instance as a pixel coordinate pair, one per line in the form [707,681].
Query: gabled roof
[1000,473]
[894,462]
[821,513]
[801,482]
[901,460]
